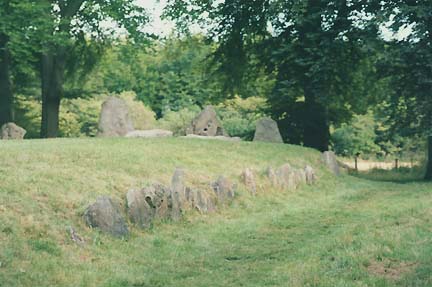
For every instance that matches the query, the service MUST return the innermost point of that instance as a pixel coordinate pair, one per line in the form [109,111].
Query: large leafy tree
[75,35]
[408,67]
[313,47]
[18,42]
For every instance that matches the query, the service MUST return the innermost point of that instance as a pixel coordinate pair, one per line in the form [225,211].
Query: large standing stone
[206,124]
[224,189]
[331,162]
[248,178]
[147,204]
[105,214]
[267,131]
[201,201]
[114,118]
[11,131]
[178,195]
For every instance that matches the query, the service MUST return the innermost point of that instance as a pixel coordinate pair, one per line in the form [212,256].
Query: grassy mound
[342,231]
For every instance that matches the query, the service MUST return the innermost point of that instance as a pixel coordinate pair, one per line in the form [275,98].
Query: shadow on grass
[399,175]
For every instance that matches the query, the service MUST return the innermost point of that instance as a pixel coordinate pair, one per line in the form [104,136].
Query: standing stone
[114,118]
[267,131]
[147,204]
[331,162]
[178,195]
[11,131]
[299,176]
[248,179]
[310,175]
[223,189]
[206,124]
[286,177]
[271,174]
[105,214]
[201,201]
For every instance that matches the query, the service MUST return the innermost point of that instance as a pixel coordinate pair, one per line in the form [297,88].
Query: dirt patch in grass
[391,270]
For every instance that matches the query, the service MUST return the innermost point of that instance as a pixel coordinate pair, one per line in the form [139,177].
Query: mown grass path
[341,232]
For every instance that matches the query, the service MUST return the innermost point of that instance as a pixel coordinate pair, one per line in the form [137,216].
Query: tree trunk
[6,96]
[52,73]
[316,127]
[428,175]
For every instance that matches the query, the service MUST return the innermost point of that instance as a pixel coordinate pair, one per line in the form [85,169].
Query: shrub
[178,122]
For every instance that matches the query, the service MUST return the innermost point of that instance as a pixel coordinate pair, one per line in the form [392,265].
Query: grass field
[345,231]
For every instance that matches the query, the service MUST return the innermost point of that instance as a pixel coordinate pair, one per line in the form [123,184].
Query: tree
[74,28]
[409,69]
[313,47]
[17,43]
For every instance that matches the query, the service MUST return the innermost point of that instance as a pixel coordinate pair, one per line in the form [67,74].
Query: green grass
[345,231]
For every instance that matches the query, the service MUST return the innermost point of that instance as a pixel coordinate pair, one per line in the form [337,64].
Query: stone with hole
[267,131]
[105,215]
[148,204]
[206,124]
[11,131]
[114,118]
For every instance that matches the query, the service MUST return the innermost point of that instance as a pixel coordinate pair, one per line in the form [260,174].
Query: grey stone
[286,177]
[201,201]
[148,204]
[206,124]
[329,159]
[221,138]
[156,133]
[105,215]
[11,131]
[310,175]
[178,195]
[114,118]
[271,174]
[248,178]
[267,131]
[224,189]
[74,236]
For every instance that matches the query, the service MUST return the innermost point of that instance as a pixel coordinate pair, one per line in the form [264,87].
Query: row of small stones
[158,202]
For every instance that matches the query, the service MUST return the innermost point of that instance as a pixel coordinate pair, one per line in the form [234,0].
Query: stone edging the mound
[157,202]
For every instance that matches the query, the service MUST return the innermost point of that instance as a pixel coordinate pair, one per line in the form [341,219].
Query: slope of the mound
[340,232]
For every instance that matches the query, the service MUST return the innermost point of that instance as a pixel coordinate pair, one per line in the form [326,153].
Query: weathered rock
[221,138]
[310,175]
[271,174]
[248,178]
[201,201]
[149,134]
[267,131]
[329,159]
[105,214]
[224,189]
[206,124]
[178,195]
[11,131]
[114,118]
[286,177]
[148,204]
[299,177]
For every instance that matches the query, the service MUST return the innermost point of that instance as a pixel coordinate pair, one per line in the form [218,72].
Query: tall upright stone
[11,131]
[114,119]
[329,159]
[206,124]
[267,131]
[178,195]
